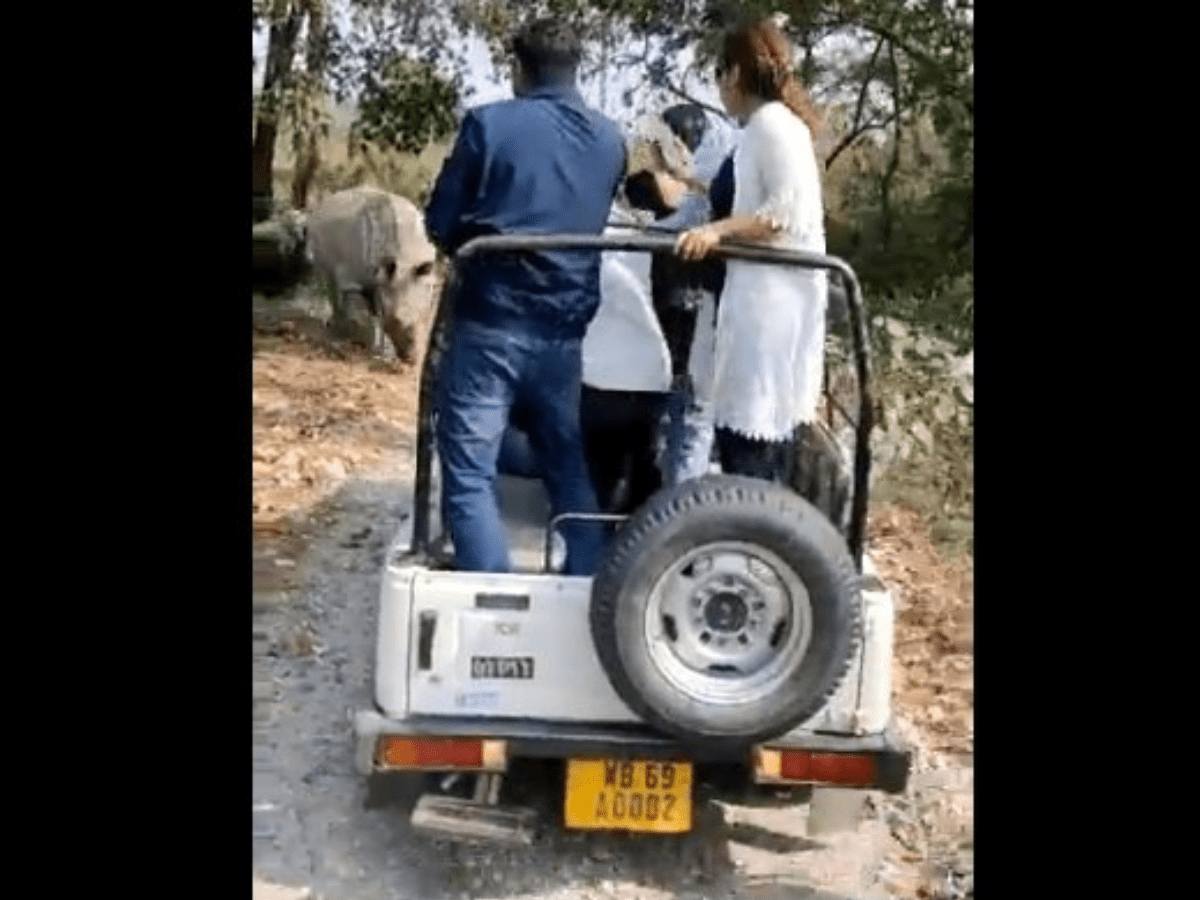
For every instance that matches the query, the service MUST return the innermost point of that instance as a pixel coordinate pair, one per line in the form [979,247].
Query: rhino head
[404,281]
[406,293]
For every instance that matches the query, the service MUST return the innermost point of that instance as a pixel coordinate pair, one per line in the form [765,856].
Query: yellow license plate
[629,795]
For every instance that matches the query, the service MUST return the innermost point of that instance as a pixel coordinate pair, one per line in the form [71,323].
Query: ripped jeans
[687,435]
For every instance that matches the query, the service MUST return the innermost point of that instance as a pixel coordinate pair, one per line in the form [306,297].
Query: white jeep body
[512,656]
[474,670]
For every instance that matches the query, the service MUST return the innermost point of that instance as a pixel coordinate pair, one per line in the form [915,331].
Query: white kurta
[765,372]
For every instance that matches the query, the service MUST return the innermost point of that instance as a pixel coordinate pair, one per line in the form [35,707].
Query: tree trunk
[281,48]
[306,170]
[885,190]
[885,183]
[315,56]
[264,163]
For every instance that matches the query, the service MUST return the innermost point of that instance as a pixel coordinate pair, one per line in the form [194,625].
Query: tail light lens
[806,767]
[394,752]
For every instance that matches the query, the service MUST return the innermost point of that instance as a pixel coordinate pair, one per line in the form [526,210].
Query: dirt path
[332,455]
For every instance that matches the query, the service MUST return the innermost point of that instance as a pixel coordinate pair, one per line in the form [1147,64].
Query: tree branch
[855,130]
[866,83]
[683,95]
[947,83]
[854,136]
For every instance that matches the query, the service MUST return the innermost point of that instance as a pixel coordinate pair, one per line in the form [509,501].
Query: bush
[923,447]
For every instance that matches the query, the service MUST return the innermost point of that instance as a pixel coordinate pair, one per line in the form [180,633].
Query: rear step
[478,819]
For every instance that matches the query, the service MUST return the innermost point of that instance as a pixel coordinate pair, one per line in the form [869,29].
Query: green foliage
[305,107]
[408,106]
[924,446]
[899,107]
[920,267]
[900,114]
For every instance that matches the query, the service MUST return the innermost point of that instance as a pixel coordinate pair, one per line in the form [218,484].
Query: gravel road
[314,837]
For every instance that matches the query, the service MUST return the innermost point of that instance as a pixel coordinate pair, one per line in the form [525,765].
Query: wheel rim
[724,622]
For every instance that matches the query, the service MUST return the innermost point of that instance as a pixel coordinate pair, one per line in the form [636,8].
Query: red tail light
[805,767]
[439,753]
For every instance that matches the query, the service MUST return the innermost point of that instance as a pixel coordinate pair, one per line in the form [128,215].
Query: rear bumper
[560,740]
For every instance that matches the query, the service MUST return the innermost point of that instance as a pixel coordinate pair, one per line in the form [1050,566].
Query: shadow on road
[699,864]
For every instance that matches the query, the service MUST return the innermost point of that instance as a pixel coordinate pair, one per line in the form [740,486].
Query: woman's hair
[764,60]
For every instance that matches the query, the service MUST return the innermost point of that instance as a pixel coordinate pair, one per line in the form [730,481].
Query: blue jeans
[484,372]
[517,457]
[688,437]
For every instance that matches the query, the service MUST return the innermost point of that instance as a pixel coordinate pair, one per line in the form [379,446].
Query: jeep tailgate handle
[593,517]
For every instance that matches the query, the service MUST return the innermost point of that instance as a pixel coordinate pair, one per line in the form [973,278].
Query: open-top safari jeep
[735,635]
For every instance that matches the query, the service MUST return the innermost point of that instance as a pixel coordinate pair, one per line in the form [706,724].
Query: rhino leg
[381,332]
[352,319]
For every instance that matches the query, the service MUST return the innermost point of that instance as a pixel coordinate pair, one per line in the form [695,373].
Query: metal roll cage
[421,545]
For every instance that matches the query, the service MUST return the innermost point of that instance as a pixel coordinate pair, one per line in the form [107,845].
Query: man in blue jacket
[540,162]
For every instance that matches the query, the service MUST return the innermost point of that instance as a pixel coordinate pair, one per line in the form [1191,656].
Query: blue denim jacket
[543,162]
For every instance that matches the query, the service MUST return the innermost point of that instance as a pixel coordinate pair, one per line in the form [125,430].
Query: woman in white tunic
[766,366]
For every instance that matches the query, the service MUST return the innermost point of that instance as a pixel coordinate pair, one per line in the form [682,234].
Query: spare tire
[726,611]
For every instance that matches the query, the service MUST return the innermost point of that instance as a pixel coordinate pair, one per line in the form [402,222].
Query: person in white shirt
[626,377]
[768,354]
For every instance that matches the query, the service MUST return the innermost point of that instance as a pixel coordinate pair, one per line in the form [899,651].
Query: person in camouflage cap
[663,180]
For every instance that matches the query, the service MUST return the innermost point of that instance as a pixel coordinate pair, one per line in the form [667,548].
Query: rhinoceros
[373,247]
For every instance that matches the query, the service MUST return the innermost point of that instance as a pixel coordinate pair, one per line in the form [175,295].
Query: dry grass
[322,413]
[405,174]
[934,662]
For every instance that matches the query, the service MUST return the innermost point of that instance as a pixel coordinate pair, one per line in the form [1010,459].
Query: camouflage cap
[651,145]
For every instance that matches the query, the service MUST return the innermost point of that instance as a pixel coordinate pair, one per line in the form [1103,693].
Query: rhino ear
[388,264]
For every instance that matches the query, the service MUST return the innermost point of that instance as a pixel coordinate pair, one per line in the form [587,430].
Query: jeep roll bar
[652,243]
